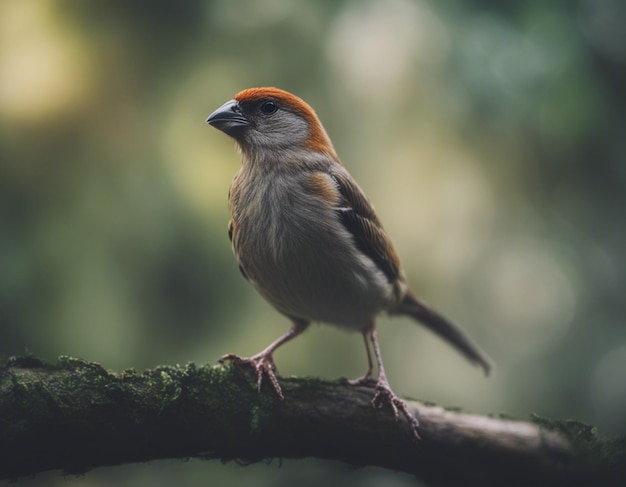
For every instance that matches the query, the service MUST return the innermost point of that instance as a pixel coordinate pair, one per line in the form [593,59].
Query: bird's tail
[416,309]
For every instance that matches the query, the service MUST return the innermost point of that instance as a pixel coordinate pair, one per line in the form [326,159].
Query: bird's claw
[262,364]
[364,380]
[384,395]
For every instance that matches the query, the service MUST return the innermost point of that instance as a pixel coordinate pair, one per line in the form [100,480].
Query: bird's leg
[263,362]
[384,394]
[367,377]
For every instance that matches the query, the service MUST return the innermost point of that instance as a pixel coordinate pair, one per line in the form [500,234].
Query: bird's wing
[230,230]
[359,218]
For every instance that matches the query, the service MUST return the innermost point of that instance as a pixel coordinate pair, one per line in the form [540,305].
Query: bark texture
[75,415]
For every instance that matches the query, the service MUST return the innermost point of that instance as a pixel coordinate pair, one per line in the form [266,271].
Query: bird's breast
[300,257]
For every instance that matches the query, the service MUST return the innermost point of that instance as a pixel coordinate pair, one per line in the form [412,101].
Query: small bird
[309,241]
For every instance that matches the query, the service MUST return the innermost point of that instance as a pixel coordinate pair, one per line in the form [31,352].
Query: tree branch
[76,415]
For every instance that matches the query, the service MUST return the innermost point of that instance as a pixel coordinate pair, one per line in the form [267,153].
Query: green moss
[128,373]
[27,362]
[230,391]
[594,454]
[574,430]
[505,416]
[70,363]
[170,388]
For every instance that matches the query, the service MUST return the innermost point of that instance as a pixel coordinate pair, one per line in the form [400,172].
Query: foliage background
[490,136]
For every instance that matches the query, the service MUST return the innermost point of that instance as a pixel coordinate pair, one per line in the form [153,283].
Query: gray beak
[228,118]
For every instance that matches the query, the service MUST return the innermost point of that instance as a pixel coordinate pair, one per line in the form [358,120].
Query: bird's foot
[263,364]
[365,380]
[384,395]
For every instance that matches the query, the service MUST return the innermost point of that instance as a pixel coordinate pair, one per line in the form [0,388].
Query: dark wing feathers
[358,216]
[230,230]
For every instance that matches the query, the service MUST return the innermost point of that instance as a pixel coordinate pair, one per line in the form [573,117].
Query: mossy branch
[76,415]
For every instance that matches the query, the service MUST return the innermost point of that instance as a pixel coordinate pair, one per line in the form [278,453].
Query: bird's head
[270,119]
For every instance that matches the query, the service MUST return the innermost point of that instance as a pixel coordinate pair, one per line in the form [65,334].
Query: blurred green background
[491,137]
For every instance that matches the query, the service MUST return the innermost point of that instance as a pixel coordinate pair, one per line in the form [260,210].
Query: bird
[310,242]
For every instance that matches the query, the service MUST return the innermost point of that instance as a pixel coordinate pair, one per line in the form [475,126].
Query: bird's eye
[269,107]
